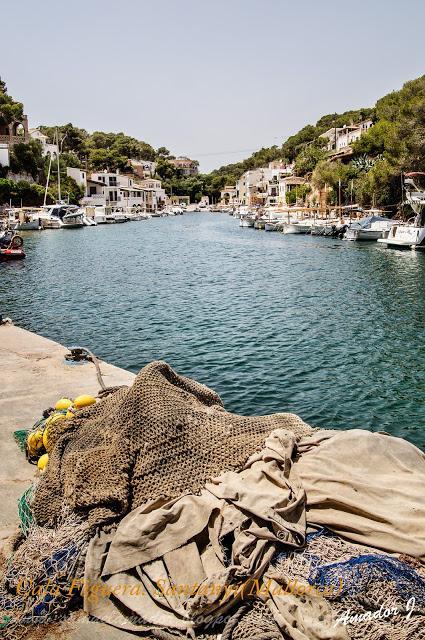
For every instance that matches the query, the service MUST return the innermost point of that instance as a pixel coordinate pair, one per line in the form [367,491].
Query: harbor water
[331,330]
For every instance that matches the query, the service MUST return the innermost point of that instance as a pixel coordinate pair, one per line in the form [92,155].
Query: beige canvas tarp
[367,487]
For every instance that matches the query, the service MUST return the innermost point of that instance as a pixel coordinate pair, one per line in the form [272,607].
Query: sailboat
[51,215]
[410,235]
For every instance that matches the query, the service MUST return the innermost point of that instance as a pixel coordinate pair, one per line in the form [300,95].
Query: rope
[81,353]
[77,354]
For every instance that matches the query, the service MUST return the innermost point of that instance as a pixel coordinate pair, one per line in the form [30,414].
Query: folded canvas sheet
[366,487]
[190,556]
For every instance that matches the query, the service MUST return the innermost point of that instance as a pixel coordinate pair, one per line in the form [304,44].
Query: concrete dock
[33,376]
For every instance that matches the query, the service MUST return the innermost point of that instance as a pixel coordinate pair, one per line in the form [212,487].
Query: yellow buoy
[55,418]
[84,401]
[35,442]
[63,403]
[38,435]
[45,437]
[42,461]
[32,443]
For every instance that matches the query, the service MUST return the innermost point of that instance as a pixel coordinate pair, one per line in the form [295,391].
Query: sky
[210,79]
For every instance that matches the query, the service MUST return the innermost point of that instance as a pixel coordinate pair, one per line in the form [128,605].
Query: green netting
[24,510]
[21,436]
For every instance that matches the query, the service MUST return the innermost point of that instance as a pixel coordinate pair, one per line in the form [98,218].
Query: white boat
[89,222]
[73,219]
[23,220]
[97,214]
[372,227]
[114,217]
[297,227]
[410,236]
[246,220]
[51,215]
[177,211]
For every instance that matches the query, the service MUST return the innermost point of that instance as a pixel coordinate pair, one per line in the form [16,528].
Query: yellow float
[84,401]
[42,461]
[63,403]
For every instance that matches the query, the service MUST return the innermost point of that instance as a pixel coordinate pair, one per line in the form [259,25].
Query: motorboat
[246,217]
[412,234]
[11,246]
[303,227]
[372,227]
[74,219]
[177,211]
[114,217]
[23,220]
[51,215]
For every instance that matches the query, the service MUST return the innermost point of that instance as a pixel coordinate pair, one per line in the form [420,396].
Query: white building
[113,189]
[155,194]
[47,147]
[287,184]
[79,175]
[340,139]
[4,154]
[260,187]
[228,195]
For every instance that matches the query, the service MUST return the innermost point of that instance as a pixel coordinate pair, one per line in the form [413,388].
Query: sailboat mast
[48,178]
[59,171]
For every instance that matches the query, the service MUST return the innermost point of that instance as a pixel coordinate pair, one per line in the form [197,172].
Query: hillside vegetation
[394,144]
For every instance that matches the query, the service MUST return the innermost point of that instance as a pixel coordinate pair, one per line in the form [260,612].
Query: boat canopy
[365,223]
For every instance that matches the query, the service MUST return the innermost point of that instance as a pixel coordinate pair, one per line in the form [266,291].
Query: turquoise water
[331,330]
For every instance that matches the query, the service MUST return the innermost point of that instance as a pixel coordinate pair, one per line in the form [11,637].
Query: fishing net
[24,510]
[164,436]
[20,436]
[360,580]
[36,587]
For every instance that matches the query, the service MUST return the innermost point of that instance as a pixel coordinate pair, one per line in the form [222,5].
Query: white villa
[47,147]
[228,195]
[261,186]
[340,139]
[113,189]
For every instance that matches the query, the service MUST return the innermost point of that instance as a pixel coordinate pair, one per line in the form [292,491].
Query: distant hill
[395,143]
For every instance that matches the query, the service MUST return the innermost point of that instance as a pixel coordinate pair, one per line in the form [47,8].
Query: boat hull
[289,228]
[11,254]
[34,225]
[246,222]
[405,237]
[356,235]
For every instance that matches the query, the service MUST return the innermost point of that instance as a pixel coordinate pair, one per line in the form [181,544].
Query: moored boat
[11,246]
[73,220]
[297,227]
[410,236]
[370,228]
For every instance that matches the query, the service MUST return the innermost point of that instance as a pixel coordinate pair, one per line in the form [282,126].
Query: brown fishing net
[164,436]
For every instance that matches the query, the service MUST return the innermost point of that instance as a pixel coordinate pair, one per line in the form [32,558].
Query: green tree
[27,158]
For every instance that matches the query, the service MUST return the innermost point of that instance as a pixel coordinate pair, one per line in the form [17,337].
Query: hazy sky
[212,79]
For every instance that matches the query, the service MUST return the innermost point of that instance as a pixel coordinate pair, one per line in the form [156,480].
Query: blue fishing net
[357,574]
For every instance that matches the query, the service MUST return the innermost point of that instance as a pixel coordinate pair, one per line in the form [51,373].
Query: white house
[228,195]
[341,138]
[79,175]
[47,147]
[4,154]
[287,184]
